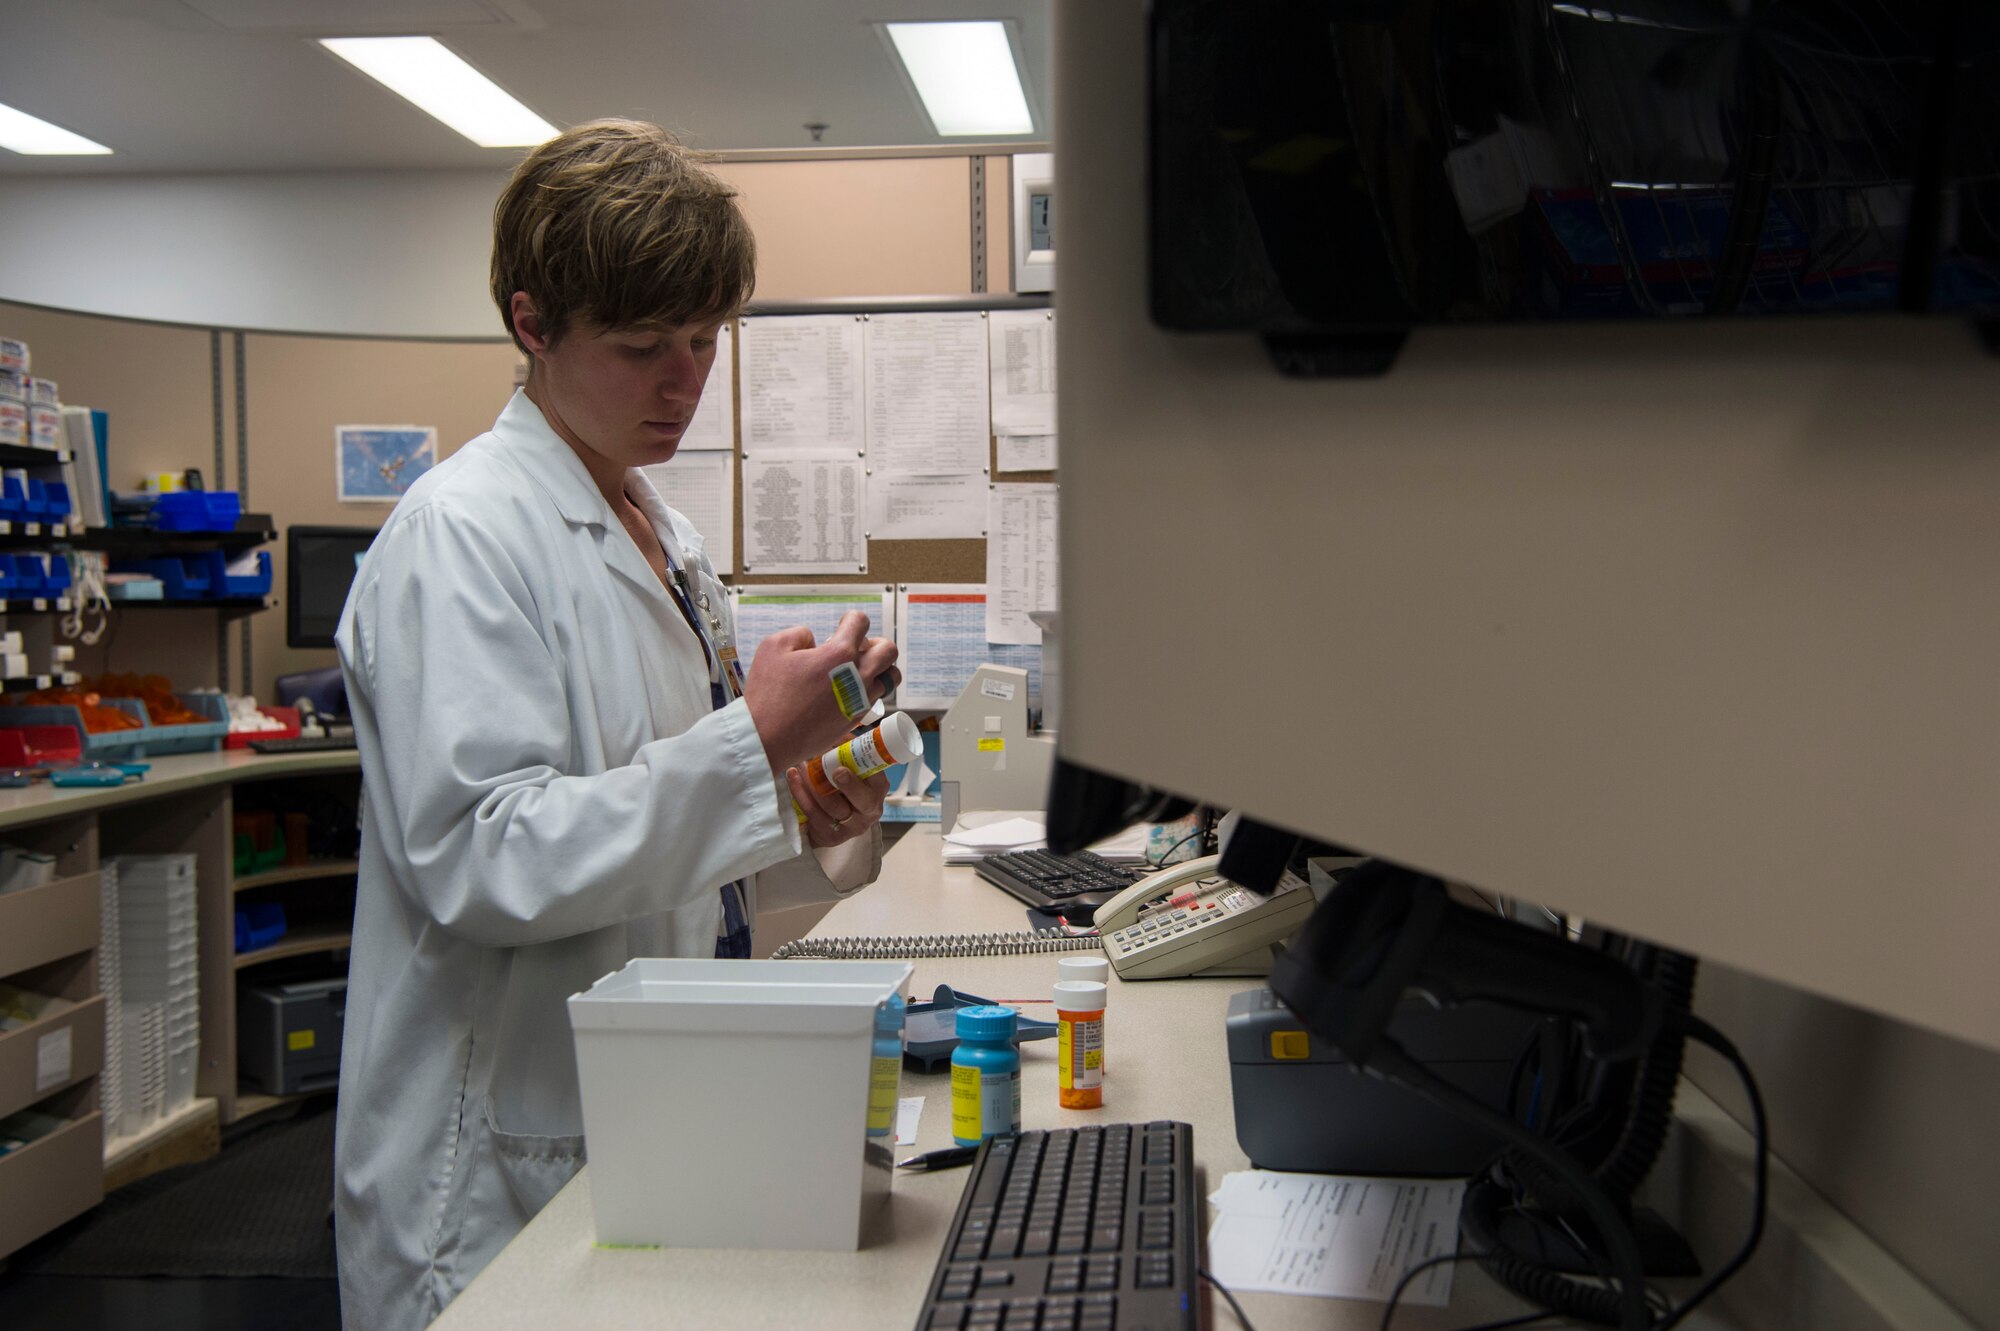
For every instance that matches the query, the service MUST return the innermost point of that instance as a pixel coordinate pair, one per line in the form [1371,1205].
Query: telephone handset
[1190,920]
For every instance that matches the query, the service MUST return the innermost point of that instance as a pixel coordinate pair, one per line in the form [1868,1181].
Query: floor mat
[257,1209]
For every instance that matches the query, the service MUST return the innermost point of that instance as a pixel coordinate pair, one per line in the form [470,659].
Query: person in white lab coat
[565,765]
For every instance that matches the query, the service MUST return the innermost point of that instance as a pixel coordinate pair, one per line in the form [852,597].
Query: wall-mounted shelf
[17,455]
[252,530]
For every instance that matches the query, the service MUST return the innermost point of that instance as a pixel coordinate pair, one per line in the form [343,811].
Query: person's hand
[855,806]
[790,698]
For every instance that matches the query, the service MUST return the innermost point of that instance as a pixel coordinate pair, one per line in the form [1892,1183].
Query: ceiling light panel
[965,75]
[427,73]
[23,133]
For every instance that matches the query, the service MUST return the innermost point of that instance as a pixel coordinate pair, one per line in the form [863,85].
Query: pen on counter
[945,1159]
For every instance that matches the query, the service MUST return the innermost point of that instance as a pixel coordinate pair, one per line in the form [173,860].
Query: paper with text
[1020,560]
[764,608]
[1023,358]
[909,1109]
[701,486]
[941,640]
[803,514]
[926,393]
[916,508]
[714,423]
[1334,1235]
[1025,452]
[802,384]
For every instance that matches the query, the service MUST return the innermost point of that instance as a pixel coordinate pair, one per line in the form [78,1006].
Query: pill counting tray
[930,1030]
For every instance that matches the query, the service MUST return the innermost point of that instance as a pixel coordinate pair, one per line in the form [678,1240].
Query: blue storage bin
[111,747]
[221,582]
[59,505]
[37,504]
[182,578]
[13,500]
[58,579]
[259,924]
[30,577]
[191,736]
[198,510]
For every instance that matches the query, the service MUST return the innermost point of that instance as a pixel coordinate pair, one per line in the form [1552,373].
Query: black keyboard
[1073,1229]
[1075,885]
[304,744]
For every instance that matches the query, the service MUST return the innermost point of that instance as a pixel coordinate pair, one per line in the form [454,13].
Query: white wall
[376,253]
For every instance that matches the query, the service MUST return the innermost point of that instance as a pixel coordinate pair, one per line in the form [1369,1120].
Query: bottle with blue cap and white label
[985,1076]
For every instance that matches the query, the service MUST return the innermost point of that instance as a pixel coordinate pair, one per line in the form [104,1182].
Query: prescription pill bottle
[1080,1043]
[985,1076]
[1087,968]
[885,1073]
[896,740]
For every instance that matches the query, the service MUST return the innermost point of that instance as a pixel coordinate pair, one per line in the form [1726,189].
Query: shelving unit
[48,941]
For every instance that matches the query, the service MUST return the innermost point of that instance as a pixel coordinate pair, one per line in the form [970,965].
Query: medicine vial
[985,1076]
[895,740]
[885,1072]
[1080,1043]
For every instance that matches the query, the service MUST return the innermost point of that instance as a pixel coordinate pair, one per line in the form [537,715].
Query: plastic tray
[241,739]
[222,583]
[38,746]
[259,924]
[115,744]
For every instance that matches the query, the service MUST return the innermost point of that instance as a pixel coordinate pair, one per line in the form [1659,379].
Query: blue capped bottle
[985,1076]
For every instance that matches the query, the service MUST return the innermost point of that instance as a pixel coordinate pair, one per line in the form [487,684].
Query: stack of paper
[1334,1235]
[965,845]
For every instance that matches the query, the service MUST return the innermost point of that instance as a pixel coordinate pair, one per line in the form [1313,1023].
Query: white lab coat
[549,793]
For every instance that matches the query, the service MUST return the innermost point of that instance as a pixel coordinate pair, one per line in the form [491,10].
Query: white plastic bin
[725,1103]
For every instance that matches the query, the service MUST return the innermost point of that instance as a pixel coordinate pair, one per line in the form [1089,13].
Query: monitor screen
[320,564]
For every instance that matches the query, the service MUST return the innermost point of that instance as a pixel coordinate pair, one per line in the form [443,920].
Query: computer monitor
[319,568]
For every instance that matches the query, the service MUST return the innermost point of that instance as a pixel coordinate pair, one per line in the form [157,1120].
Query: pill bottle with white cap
[1080,1043]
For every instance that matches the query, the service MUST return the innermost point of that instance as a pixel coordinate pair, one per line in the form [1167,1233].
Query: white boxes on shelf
[725,1103]
[157,989]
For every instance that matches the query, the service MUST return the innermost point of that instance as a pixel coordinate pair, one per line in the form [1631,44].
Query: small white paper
[1020,560]
[1025,452]
[1023,359]
[908,1110]
[1333,1235]
[52,1060]
[714,422]
[1007,834]
[903,507]
[702,488]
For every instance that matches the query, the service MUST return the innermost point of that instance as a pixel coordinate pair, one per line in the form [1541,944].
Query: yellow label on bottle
[297,1040]
[995,745]
[884,1080]
[965,1103]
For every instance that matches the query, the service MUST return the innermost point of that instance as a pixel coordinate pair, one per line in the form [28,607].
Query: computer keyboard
[303,744]
[1075,885]
[1073,1229]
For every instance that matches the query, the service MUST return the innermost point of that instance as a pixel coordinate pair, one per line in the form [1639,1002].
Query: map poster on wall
[375,464]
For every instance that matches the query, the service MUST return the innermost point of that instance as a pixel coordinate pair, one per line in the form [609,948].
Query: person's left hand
[855,806]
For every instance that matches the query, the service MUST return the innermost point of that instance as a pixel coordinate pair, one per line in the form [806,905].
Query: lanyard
[715,644]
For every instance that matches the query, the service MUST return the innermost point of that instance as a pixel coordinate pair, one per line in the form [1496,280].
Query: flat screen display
[1369,164]
[320,564]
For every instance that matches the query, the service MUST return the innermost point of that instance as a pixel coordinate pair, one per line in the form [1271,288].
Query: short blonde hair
[614,222]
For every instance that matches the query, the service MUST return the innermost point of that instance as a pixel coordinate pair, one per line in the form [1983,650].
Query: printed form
[1020,561]
[714,423]
[1333,1235]
[701,486]
[926,393]
[1023,359]
[803,514]
[941,640]
[911,507]
[802,384]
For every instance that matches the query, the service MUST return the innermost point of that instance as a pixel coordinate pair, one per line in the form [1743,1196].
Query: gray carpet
[257,1209]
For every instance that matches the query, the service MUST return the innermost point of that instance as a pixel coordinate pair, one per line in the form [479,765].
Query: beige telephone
[1189,920]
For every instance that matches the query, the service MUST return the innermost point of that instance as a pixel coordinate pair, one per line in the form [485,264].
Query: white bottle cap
[1083,968]
[1079,996]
